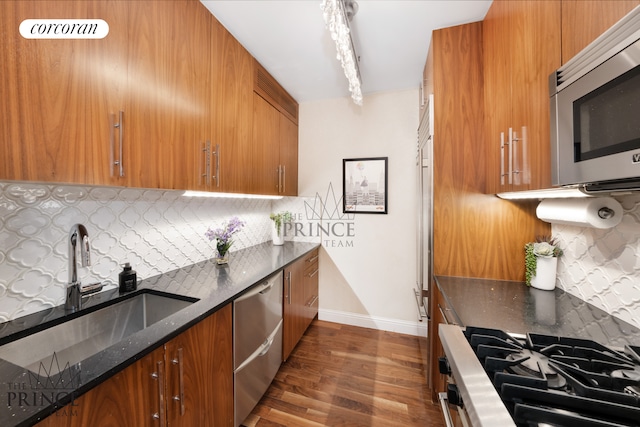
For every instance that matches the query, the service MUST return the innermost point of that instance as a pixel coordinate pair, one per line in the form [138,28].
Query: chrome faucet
[78,234]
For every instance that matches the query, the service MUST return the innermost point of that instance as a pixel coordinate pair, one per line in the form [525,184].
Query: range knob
[443,366]
[453,395]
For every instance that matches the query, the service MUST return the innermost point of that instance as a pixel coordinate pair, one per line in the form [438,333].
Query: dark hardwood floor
[341,375]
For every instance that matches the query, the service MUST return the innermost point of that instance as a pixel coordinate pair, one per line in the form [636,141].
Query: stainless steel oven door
[474,390]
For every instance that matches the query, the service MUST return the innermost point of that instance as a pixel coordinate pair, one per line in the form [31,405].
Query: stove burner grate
[561,381]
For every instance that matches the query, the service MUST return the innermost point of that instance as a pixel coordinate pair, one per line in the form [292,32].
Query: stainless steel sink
[71,342]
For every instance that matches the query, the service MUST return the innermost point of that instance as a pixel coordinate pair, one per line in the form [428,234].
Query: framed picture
[364,185]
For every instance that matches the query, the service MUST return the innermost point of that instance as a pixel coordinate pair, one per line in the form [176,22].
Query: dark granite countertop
[213,286]
[516,308]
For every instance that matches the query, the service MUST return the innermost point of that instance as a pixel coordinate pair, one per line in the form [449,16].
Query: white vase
[545,277]
[277,235]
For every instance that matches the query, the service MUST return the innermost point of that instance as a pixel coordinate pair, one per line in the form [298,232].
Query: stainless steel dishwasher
[257,343]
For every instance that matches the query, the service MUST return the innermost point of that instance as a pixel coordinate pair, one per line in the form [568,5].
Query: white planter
[545,277]
[278,238]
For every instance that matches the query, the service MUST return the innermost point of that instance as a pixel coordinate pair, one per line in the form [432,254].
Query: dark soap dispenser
[127,279]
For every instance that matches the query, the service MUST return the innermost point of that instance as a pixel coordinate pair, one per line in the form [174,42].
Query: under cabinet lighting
[229,195]
[548,193]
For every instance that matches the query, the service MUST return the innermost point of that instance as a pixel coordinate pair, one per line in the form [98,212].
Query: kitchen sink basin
[51,350]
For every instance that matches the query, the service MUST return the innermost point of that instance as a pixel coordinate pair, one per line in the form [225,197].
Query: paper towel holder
[606,212]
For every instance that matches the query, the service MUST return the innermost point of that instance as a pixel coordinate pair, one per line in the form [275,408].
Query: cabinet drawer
[311,262]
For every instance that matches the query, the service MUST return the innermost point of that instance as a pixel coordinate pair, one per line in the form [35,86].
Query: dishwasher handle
[262,350]
[261,289]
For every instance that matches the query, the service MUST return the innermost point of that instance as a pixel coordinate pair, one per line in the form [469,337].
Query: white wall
[366,279]
[602,267]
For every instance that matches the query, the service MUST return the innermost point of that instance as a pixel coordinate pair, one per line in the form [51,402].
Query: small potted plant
[541,262]
[279,219]
[222,236]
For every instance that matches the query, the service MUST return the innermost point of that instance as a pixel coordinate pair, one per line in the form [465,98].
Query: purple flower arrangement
[222,235]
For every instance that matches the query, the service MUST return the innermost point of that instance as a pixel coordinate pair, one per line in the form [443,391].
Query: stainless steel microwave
[595,112]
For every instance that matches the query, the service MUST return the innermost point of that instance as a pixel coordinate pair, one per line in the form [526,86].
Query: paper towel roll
[597,212]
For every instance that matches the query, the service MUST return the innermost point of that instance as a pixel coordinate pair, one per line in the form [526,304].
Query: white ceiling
[288,37]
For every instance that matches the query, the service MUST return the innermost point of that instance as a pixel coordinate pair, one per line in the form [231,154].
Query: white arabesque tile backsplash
[155,230]
[602,266]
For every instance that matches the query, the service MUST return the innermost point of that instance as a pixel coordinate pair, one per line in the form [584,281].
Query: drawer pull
[159,375]
[313,274]
[180,396]
[312,259]
[313,301]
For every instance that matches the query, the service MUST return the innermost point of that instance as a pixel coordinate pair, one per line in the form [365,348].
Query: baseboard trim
[373,322]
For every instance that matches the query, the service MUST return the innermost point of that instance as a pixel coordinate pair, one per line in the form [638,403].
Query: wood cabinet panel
[43,107]
[232,110]
[470,227]
[265,159]
[106,92]
[497,99]
[311,290]
[288,156]
[206,351]
[293,308]
[537,43]
[167,104]
[521,49]
[128,399]
[584,20]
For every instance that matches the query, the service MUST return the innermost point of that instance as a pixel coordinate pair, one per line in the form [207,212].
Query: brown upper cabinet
[164,101]
[524,42]
[521,49]
[232,113]
[45,102]
[584,20]
[275,137]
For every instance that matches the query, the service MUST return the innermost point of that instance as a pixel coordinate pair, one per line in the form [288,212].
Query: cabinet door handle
[289,291]
[502,174]
[206,162]
[279,185]
[516,162]
[180,396]
[216,153]
[510,156]
[284,179]
[159,375]
[120,126]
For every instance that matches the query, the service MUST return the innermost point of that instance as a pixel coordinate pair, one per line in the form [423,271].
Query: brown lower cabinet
[300,300]
[187,382]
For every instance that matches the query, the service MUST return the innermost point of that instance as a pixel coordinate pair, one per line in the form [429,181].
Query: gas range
[539,380]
